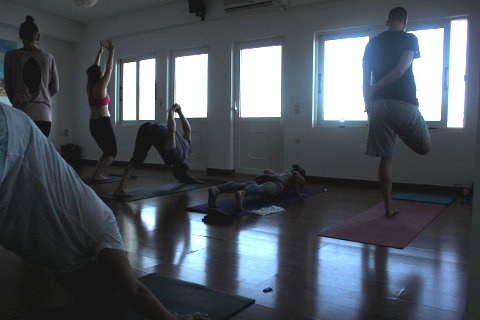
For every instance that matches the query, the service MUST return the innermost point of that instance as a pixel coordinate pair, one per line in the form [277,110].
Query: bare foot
[240,196]
[120,193]
[391,212]
[212,196]
[100,177]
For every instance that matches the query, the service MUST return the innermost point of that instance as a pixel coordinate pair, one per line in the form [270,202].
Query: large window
[259,74]
[190,82]
[137,87]
[439,76]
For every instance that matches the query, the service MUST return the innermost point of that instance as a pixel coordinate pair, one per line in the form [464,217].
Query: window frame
[318,78]
[252,44]
[171,72]
[321,37]
[137,60]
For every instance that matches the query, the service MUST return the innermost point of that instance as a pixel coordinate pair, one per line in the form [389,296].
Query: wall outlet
[297,141]
[296,108]
[65,133]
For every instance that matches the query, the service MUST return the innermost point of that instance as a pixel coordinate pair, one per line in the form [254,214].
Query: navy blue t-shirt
[383,52]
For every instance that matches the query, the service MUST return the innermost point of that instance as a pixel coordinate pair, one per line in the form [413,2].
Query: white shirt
[47,214]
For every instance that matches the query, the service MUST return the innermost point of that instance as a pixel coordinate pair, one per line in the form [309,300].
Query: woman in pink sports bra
[98,99]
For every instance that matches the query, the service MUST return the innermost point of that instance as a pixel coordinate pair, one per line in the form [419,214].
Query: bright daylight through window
[191,84]
[138,90]
[260,82]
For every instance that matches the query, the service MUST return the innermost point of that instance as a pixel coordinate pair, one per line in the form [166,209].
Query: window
[259,79]
[190,82]
[439,76]
[137,87]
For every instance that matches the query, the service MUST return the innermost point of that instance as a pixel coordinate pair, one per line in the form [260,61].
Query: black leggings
[44,126]
[102,131]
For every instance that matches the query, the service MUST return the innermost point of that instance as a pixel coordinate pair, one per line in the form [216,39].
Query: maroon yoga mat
[373,227]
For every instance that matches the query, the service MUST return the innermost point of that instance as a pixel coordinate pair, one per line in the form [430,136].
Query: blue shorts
[387,118]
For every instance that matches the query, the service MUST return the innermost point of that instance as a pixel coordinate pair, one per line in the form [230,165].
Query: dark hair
[180,171]
[28,29]
[300,170]
[398,14]
[94,73]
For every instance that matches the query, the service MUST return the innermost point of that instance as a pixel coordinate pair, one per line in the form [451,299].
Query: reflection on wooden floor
[311,277]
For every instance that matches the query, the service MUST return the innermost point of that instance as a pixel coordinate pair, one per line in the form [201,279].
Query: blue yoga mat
[423,198]
[227,206]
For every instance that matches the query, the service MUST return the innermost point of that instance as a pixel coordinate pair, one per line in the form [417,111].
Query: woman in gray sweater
[31,78]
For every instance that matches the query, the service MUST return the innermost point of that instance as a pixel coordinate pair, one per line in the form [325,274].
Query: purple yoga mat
[373,227]
[227,206]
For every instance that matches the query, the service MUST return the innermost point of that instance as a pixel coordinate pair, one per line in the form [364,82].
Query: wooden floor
[312,277]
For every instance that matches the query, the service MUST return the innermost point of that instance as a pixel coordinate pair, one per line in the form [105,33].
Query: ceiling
[103,8]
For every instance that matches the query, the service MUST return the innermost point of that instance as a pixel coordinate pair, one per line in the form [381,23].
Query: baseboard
[397,186]
[159,166]
[220,171]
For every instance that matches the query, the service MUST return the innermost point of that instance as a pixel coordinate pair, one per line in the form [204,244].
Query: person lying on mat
[64,227]
[173,148]
[268,184]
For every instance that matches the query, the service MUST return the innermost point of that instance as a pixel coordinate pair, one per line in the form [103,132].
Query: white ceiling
[103,8]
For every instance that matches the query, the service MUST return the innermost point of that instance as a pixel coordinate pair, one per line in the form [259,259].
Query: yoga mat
[227,206]
[423,198]
[159,190]
[373,227]
[185,297]
[112,177]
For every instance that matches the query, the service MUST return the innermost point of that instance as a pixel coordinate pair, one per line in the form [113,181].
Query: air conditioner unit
[232,6]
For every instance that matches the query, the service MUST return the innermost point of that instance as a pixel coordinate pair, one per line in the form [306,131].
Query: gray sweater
[31,80]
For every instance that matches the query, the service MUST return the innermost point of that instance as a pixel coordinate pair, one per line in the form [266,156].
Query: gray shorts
[387,118]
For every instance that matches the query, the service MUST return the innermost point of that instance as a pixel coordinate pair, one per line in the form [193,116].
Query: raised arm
[405,62]
[187,130]
[100,52]
[103,83]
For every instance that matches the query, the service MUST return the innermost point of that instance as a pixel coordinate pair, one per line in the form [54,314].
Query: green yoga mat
[160,190]
[184,297]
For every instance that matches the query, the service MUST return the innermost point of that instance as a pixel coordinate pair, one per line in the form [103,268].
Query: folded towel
[267,210]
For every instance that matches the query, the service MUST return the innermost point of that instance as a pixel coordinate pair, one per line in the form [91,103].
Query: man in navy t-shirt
[390,98]
[172,147]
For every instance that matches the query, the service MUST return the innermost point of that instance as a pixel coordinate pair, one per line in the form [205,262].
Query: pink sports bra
[98,102]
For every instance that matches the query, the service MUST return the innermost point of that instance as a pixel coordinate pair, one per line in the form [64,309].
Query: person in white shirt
[52,219]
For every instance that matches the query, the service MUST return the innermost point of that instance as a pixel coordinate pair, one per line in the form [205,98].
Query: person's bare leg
[135,293]
[239,197]
[385,179]
[213,193]
[102,164]
[418,147]
[120,191]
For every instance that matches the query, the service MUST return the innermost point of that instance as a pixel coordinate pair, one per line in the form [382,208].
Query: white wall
[325,151]
[57,36]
